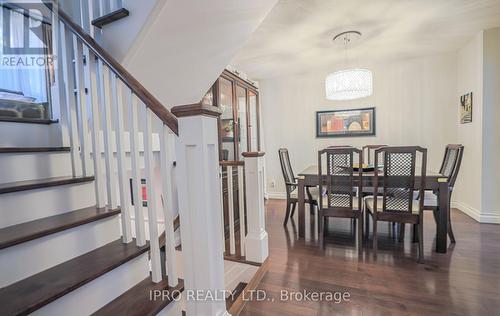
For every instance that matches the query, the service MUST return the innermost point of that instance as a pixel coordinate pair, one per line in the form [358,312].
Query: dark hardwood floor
[464,281]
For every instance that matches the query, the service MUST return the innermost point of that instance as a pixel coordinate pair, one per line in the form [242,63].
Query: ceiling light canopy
[348,84]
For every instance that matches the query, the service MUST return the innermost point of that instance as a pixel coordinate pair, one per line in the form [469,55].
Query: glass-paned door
[242,138]
[226,129]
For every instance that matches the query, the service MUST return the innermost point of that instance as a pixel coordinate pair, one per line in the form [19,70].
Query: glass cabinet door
[253,124]
[242,137]
[226,129]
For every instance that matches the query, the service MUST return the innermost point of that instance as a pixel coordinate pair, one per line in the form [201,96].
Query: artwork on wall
[466,108]
[339,123]
[144,192]
[227,130]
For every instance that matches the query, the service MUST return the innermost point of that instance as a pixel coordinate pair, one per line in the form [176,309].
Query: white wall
[478,70]
[415,105]
[186,44]
[490,210]
[468,188]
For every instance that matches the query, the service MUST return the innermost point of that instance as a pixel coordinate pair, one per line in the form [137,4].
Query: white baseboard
[486,218]
[276,195]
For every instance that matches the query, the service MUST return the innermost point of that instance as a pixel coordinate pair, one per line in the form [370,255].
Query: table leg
[301,206]
[442,225]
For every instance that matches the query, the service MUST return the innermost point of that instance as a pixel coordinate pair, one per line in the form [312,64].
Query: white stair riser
[31,166]
[24,206]
[25,259]
[94,295]
[29,135]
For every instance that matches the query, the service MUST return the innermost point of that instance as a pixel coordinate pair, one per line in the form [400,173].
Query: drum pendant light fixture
[348,84]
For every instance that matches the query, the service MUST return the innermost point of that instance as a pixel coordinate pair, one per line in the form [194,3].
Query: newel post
[197,151]
[256,243]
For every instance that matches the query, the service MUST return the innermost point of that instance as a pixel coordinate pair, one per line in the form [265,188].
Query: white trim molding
[484,218]
[276,195]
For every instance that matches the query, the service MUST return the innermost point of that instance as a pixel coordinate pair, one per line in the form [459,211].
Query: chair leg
[414,233]
[435,213]
[367,224]
[401,232]
[375,237]
[321,233]
[450,230]
[294,204]
[287,214]
[360,234]
[421,241]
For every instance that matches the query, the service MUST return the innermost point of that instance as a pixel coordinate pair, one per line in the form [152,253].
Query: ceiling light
[348,84]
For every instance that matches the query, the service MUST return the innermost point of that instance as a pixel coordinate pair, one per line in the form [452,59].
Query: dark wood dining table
[433,181]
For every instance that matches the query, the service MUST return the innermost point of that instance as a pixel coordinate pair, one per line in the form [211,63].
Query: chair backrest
[398,177]
[336,174]
[369,152]
[286,167]
[451,162]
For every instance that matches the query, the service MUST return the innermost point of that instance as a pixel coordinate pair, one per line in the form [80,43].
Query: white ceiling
[297,35]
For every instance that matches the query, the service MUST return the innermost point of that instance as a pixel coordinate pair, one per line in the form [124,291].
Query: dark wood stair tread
[16,234]
[41,183]
[38,290]
[27,120]
[9,150]
[137,301]
[110,17]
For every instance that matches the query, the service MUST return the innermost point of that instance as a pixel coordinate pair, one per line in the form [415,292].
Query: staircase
[70,240]
[88,212]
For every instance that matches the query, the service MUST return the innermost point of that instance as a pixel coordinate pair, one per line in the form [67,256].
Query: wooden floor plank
[464,281]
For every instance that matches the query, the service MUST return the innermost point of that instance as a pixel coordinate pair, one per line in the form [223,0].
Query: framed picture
[227,130]
[466,108]
[340,123]
[144,192]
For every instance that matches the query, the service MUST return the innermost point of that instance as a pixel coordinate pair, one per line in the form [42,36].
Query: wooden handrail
[137,88]
[231,163]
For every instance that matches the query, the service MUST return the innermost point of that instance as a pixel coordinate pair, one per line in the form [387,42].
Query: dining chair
[450,167]
[369,151]
[397,203]
[336,179]
[291,187]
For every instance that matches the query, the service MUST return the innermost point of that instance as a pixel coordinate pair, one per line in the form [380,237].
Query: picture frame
[227,130]
[346,123]
[466,108]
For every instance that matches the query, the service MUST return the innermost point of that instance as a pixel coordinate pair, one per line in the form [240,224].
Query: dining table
[434,181]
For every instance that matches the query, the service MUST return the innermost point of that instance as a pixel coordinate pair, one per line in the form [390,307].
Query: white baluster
[167,161]
[82,106]
[232,246]
[150,185]
[117,107]
[91,14]
[108,143]
[140,234]
[95,131]
[69,83]
[241,204]
[56,91]
[223,233]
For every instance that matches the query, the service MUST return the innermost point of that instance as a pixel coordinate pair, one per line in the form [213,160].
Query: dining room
[379,123]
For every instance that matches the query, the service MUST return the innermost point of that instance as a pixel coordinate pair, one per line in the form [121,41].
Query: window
[25,66]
